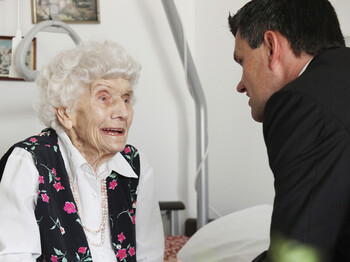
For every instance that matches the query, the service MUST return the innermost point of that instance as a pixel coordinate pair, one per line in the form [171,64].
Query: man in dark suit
[296,72]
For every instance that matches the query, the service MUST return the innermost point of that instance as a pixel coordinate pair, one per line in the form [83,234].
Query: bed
[239,237]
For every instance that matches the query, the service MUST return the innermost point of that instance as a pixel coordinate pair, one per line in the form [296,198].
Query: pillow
[240,237]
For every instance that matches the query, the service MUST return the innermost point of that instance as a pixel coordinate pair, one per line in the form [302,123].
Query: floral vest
[62,235]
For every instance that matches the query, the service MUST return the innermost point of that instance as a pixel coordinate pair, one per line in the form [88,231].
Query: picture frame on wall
[69,11]
[6,53]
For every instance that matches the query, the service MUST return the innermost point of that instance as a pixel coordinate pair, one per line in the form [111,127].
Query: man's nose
[241,87]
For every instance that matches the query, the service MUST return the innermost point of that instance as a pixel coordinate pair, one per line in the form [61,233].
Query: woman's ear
[273,43]
[66,117]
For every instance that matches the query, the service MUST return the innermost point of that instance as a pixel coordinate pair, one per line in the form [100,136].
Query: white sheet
[238,237]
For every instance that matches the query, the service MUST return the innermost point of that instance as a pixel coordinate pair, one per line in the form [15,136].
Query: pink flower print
[113,184]
[54,171]
[134,204]
[41,180]
[133,219]
[121,237]
[58,186]
[127,150]
[69,207]
[131,251]
[45,198]
[62,230]
[131,211]
[121,254]
[33,140]
[82,250]
[47,145]
[54,258]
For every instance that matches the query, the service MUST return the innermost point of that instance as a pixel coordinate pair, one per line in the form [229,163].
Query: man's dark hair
[309,25]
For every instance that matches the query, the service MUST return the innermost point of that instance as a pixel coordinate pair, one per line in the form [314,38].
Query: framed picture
[69,11]
[6,53]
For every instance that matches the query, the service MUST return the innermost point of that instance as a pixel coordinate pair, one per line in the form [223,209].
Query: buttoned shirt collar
[75,161]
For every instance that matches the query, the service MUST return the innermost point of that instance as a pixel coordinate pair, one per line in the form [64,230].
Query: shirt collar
[304,68]
[73,160]
[120,165]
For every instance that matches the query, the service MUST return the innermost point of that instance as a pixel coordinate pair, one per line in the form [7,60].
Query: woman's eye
[103,97]
[127,99]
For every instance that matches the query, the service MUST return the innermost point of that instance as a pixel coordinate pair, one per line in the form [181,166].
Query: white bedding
[238,237]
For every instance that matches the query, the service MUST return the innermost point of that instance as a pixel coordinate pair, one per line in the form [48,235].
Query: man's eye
[103,98]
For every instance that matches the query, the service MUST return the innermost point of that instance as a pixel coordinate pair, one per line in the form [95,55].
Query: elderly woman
[77,192]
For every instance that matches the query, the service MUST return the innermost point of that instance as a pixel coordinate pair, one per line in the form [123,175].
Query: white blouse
[19,232]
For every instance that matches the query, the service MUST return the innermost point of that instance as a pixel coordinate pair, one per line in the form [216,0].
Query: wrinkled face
[256,79]
[102,117]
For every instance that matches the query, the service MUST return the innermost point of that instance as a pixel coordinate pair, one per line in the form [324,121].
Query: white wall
[164,125]
[238,164]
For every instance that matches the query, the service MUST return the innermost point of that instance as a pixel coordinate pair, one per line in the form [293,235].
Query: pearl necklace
[104,205]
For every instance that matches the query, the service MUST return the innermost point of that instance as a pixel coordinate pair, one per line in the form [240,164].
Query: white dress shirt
[304,68]
[19,232]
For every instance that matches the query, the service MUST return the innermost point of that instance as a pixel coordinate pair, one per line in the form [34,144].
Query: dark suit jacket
[307,133]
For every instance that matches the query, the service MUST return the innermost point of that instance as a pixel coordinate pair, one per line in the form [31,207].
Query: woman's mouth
[113,131]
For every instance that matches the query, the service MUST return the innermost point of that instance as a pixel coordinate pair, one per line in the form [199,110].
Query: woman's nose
[241,87]
[120,110]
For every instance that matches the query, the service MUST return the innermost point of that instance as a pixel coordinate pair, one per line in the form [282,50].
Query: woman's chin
[114,149]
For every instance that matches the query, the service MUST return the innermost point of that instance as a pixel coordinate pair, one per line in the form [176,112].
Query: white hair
[62,81]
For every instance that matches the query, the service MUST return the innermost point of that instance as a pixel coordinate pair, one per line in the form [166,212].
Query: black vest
[62,235]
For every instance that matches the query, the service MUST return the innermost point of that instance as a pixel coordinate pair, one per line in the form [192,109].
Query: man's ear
[273,43]
[66,117]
